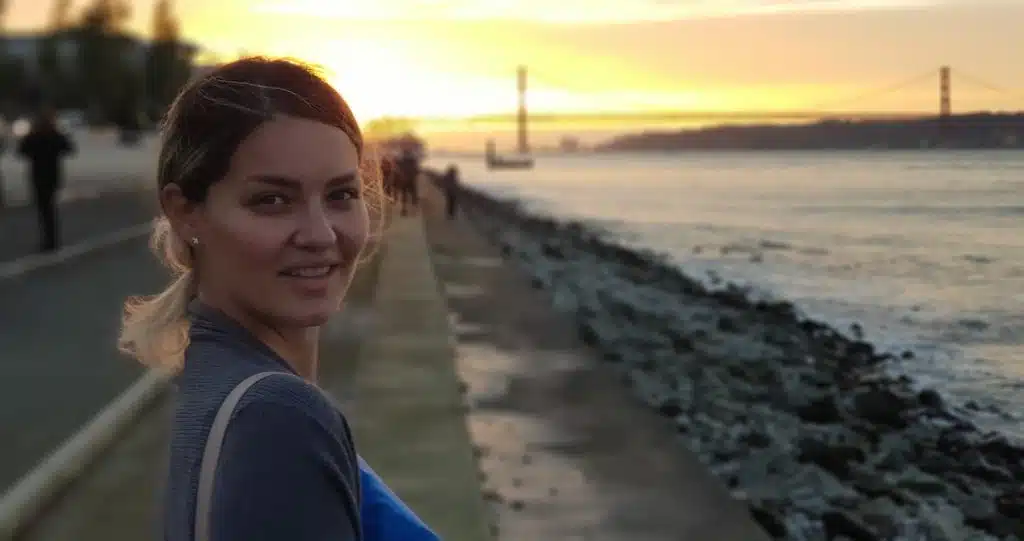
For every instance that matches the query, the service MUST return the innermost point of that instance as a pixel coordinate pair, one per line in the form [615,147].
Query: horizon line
[688,115]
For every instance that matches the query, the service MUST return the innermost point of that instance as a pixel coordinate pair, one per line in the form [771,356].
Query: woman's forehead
[297,149]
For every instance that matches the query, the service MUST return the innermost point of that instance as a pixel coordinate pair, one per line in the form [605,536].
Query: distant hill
[981,130]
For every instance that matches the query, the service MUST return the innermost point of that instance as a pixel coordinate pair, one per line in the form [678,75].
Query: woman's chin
[311,315]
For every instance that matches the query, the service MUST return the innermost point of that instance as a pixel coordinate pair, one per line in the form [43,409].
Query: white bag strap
[211,453]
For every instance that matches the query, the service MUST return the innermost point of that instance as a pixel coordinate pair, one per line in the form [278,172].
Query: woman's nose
[315,229]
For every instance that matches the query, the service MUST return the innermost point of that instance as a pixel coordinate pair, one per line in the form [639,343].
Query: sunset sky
[458,57]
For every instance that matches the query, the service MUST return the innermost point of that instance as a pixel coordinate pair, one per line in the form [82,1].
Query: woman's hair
[203,128]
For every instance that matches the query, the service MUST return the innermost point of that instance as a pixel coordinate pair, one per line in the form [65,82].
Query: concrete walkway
[407,410]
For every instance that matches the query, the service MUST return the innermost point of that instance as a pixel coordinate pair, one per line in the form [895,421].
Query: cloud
[565,11]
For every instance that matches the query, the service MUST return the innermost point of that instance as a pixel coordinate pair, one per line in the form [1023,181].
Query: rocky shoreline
[800,420]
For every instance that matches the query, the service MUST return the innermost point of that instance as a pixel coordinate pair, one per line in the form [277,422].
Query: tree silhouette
[12,70]
[104,72]
[168,63]
[52,77]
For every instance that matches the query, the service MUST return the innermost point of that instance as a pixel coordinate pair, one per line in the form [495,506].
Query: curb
[34,262]
[35,490]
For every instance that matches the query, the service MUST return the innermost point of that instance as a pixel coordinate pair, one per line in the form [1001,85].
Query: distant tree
[102,56]
[12,71]
[53,80]
[168,64]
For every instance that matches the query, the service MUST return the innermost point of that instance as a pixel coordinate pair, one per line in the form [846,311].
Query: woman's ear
[179,210]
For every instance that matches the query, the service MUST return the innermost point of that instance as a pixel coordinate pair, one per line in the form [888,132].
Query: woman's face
[280,235]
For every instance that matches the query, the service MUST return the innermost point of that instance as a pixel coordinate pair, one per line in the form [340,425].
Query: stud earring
[194,241]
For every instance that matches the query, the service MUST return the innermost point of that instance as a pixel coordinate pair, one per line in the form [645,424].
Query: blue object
[385,517]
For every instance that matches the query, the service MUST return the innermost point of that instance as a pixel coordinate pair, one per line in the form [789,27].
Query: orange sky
[458,57]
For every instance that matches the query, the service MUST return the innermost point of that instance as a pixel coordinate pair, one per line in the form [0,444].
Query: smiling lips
[309,272]
[311,280]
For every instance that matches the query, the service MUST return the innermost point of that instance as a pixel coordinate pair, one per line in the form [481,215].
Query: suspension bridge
[844,108]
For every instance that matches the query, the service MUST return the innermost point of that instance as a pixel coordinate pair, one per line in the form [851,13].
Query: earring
[194,241]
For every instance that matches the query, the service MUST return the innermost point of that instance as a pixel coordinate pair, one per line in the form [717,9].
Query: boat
[521,160]
[494,161]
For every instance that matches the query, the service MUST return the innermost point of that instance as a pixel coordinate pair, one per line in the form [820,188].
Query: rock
[822,410]
[922,483]
[756,439]
[869,482]
[929,398]
[771,518]
[843,523]
[974,463]
[944,523]
[1011,503]
[670,407]
[884,406]
[727,324]
[836,458]
[883,516]
[979,512]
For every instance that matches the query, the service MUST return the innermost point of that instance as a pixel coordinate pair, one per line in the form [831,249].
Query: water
[924,249]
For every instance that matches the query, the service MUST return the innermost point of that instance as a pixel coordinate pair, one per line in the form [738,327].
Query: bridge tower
[945,103]
[524,146]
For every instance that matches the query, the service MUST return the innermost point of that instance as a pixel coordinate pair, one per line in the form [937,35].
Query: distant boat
[494,161]
[522,160]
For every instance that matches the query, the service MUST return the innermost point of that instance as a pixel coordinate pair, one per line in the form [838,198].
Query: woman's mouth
[311,272]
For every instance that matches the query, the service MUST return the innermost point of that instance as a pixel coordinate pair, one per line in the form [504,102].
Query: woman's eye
[344,195]
[270,199]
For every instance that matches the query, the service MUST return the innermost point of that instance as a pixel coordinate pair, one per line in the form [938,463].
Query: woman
[265,215]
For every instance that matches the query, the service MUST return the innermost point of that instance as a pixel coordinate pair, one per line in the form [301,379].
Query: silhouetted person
[450,188]
[409,172]
[388,175]
[44,147]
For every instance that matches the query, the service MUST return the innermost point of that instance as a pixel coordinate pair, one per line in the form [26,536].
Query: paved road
[58,361]
[80,219]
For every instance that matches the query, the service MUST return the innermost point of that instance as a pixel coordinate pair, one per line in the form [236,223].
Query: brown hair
[203,128]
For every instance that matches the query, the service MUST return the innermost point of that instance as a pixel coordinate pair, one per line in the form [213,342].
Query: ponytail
[155,329]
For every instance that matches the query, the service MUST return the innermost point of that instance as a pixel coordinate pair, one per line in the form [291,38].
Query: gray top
[287,468]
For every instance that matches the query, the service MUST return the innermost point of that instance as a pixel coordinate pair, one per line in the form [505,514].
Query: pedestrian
[44,147]
[409,171]
[264,218]
[450,186]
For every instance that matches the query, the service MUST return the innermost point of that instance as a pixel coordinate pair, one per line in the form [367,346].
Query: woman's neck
[298,347]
